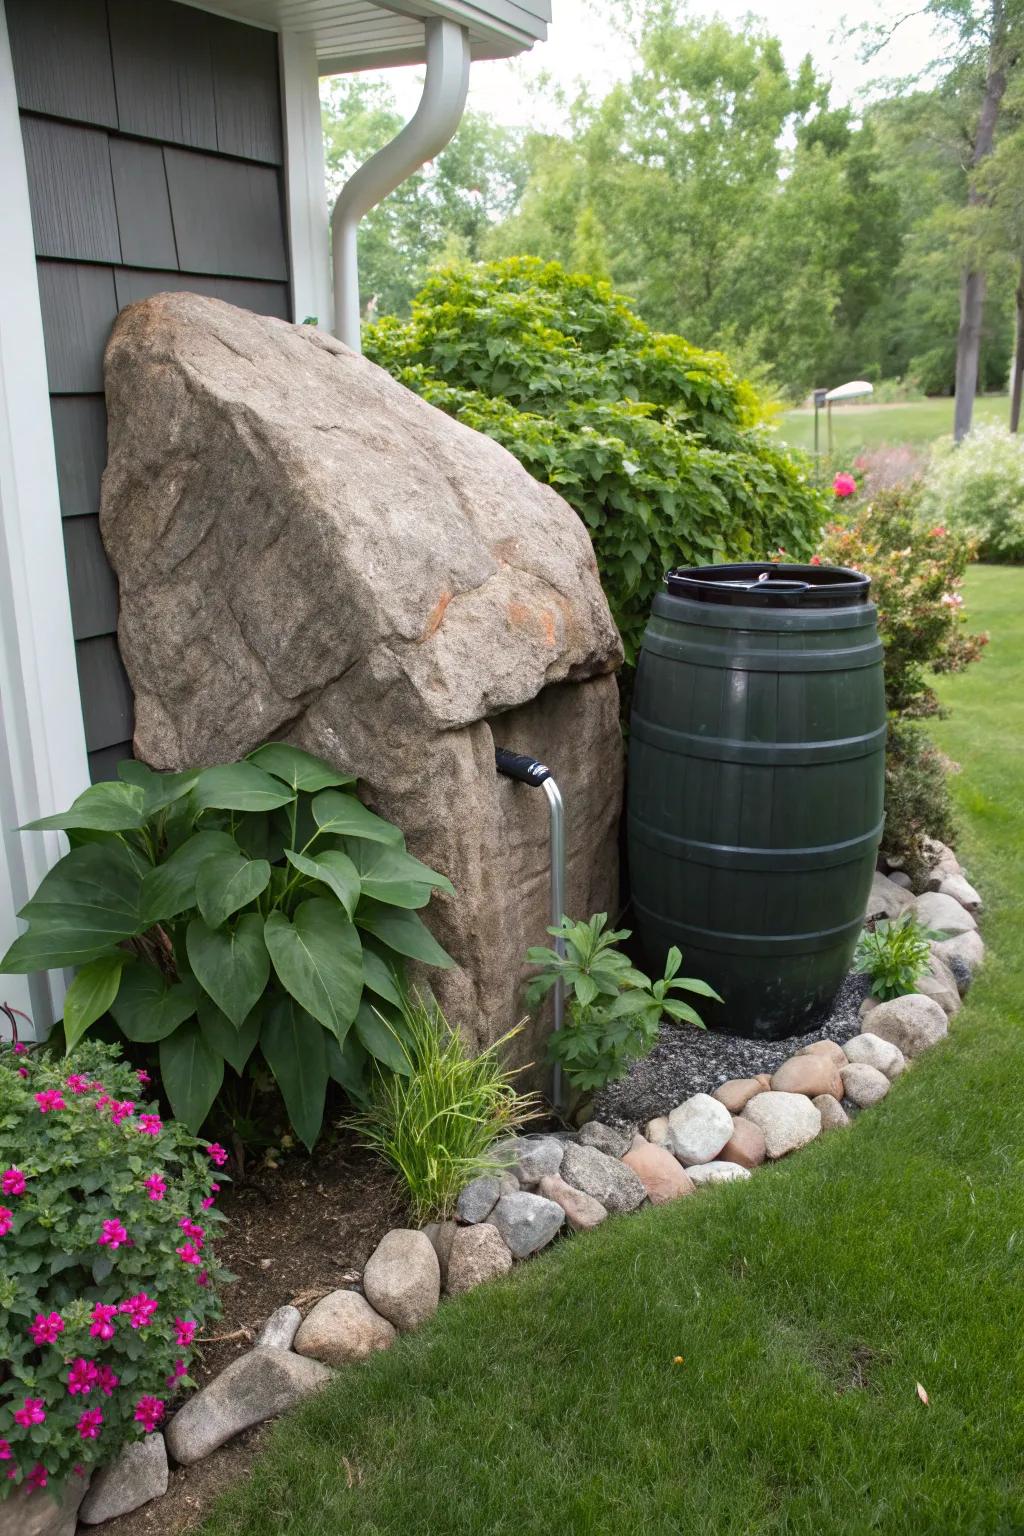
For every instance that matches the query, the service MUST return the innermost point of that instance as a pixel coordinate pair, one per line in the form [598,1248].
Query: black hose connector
[519,766]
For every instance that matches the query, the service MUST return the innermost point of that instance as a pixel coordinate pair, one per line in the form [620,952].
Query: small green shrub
[917,799]
[614,1011]
[106,1269]
[436,1116]
[895,955]
[978,489]
[658,445]
[252,904]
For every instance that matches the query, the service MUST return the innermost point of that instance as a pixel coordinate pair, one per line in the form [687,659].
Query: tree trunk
[972,282]
[1018,354]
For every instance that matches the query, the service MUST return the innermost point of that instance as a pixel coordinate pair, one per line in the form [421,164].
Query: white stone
[942,914]
[717,1173]
[136,1475]
[886,899]
[700,1128]
[873,1051]
[864,1085]
[657,1132]
[912,1023]
[961,890]
[279,1330]
[787,1120]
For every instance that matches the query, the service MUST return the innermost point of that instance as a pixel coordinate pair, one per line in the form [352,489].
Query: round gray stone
[605,1178]
[943,914]
[963,954]
[257,1386]
[527,1222]
[402,1278]
[478,1199]
[529,1158]
[864,1085]
[479,1253]
[833,1115]
[606,1138]
[343,1328]
[279,1330]
[961,890]
[873,1051]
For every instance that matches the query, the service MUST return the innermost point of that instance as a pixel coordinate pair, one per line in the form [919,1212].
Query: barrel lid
[764,584]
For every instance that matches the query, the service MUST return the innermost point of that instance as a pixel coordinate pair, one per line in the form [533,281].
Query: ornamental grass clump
[106,1270]
[436,1118]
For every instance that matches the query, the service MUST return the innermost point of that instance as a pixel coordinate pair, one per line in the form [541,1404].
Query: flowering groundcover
[106,1271]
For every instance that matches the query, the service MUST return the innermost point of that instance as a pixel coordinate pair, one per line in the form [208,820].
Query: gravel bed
[688,1061]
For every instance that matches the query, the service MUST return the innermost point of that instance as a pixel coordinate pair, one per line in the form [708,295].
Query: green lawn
[806,1304]
[856,427]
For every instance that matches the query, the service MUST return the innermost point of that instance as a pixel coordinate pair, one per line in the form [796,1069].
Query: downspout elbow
[424,136]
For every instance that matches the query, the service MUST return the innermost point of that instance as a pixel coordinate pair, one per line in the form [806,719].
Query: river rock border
[551,1184]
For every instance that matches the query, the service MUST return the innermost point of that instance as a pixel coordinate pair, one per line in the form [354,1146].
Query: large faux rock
[527,1222]
[402,1278]
[279,1330]
[257,1386]
[963,954]
[658,1171]
[787,1121]
[136,1475]
[700,1128]
[478,1253]
[305,548]
[582,1212]
[33,1512]
[875,1052]
[864,1085]
[912,1023]
[813,1074]
[887,899]
[943,914]
[605,1178]
[343,1328]
[529,1158]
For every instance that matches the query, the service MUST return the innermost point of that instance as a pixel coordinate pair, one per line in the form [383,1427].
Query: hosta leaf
[159,789]
[295,1047]
[107,807]
[380,1039]
[231,964]
[235,1045]
[403,932]
[191,1073]
[87,903]
[333,869]
[391,875]
[345,816]
[91,994]
[298,769]
[148,1007]
[239,787]
[170,889]
[318,959]
[227,881]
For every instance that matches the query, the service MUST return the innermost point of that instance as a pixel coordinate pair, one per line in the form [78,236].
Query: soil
[294,1233]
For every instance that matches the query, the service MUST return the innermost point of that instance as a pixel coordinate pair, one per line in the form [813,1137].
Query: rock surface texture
[343,1328]
[604,1178]
[864,1084]
[700,1128]
[136,1475]
[873,1051]
[280,1328]
[658,1171]
[477,1254]
[260,1385]
[912,1023]
[526,1222]
[943,914]
[304,548]
[402,1278]
[33,1512]
[582,1212]
[718,1172]
[787,1121]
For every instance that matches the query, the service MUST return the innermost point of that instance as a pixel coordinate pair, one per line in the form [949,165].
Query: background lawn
[806,1305]
[856,427]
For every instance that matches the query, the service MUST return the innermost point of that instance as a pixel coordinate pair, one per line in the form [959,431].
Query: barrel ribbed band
[688,936]
[844,658]
[769,754]
[680,610]
[765,860]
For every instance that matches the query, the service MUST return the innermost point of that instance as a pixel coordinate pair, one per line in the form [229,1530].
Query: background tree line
[738,207]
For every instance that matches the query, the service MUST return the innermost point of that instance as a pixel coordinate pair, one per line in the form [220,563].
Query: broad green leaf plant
[253,905]
[614,1011]
[895,955]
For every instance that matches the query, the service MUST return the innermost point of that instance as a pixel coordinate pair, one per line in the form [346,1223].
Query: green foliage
[79,1150]
[916,568]
[658,446]
[436,1117]
[249,904]
[917,798]
[978,489]
[895,955]
[615,1011]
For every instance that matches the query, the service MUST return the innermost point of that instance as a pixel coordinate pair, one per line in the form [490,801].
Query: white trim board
[305,181]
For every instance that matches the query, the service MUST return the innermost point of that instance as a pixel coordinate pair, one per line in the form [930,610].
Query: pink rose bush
[844,485]
[100,1307]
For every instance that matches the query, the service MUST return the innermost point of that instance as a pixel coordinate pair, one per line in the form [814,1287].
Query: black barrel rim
[765,584]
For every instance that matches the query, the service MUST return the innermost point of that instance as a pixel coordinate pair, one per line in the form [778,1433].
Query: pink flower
[23,1071]
[202,1278]
[121,1110]
[113,1235]
[815,560]
[104,1099]
[13,1182]
[214,1190]
[156,1185]
[77,1083]
[148,1412]
[106,1380]
[937,533]
[47,1329]
[37,1477]
[89,1423]
[951,600]
[207,1202]
[5,1450]
[193,1230]
[19,1047]
[50,1098]
[82,1377]
[140,1309]
[143,1078]
[6,1217]
[180,1369]
[216,1153]
[185,1329]
[150,1125]
[103,1321]
[32,1412]
[844,485]
[188,1254]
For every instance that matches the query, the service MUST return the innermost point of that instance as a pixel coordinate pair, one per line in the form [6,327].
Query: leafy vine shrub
[978,489]
[252,904]
[658,445]
[916,568]
[106,1273]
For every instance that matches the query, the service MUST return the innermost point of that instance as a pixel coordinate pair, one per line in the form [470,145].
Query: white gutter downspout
[424,136]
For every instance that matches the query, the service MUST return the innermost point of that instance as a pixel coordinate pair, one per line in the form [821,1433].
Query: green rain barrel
[756,778]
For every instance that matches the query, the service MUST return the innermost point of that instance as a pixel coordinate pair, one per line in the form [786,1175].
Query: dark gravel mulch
[688,1061]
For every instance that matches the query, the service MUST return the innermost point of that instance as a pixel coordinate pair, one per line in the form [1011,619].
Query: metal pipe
[557,813]
[424,136]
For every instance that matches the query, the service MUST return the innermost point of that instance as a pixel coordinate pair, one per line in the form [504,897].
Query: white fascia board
[305,181]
